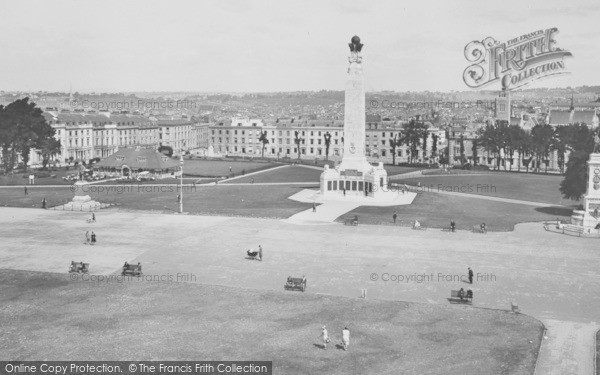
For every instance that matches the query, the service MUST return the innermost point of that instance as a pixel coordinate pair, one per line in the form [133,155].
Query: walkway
[333,207]
[553,278]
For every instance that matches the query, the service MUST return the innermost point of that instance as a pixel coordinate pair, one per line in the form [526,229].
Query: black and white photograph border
[299,187]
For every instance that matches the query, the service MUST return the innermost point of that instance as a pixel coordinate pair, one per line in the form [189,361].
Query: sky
[278,45]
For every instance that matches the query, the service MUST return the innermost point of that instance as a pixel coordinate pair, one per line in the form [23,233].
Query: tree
[167,150]
[327,138]
[581,142]
[424,144]
[523,148]
[394,143]
[49,148]
[297,141]
[461,143]
[434,142]
[264,140]
[474,151]
[560,143]
[414,132]
[574,185]
[22,128]
[541,136]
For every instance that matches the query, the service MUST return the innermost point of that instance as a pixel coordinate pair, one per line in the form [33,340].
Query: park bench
[468,297]
[573,229]
[295,283]
[351,221]
[79,267]
[133,269]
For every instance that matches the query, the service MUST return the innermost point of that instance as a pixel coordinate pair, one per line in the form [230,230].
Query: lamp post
[181,183]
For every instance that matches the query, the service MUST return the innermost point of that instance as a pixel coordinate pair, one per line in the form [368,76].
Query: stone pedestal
[371,181]
[589,217]
[81,201]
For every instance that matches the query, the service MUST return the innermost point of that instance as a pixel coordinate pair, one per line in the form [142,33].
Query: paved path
[325,213]
[552,277]
[568,349]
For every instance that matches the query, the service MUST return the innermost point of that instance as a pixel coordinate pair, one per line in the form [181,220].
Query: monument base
[81,202]
[369,181]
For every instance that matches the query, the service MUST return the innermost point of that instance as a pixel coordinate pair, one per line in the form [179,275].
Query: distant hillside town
[426,128]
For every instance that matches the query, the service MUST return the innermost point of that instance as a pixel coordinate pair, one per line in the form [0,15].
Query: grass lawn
[396,169]
[49,316]
[288,174]
[249,201]
[437,210]
[220,168]
[23,178]
[528,187]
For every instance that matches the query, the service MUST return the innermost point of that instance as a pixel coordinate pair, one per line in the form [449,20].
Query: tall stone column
[354,113]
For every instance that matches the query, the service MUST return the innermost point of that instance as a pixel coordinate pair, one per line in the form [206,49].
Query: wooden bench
[573,229]
[295,283]
[79,267]
[133,269]
[468,297]
[351,221]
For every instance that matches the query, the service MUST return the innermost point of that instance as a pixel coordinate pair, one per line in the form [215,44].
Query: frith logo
[514,63]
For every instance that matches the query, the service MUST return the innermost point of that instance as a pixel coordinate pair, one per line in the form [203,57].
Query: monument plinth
[589,217]
[354,175]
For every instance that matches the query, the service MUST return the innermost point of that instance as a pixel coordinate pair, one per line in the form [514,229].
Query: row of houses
[84,136]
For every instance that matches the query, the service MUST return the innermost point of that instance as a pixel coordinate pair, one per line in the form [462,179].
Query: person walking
[93,217]
[325,337]
[344,190]
[25,189]
[93,238]
[314,207]
[87,238]
[395,216]
[470,276]
[260,252]
[345,338]
[44,203]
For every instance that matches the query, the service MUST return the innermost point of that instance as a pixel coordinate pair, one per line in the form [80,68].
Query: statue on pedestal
[596,142]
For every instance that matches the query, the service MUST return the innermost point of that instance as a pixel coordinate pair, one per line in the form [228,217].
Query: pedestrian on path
[344,190]
[44,203]
[345,338]
[93,238]
[470,276]
[25,189]
[395,216]
[314,207]
[87,238]
[260,252]
[325,337]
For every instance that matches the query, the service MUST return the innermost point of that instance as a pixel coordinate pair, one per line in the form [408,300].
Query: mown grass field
[55,317]
[437,210]
[528,187]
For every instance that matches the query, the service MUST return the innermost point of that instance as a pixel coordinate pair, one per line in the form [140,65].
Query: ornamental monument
[589,217]
[354,176]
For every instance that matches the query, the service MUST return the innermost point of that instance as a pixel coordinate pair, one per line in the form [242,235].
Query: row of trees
[501,141]
[23,128]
